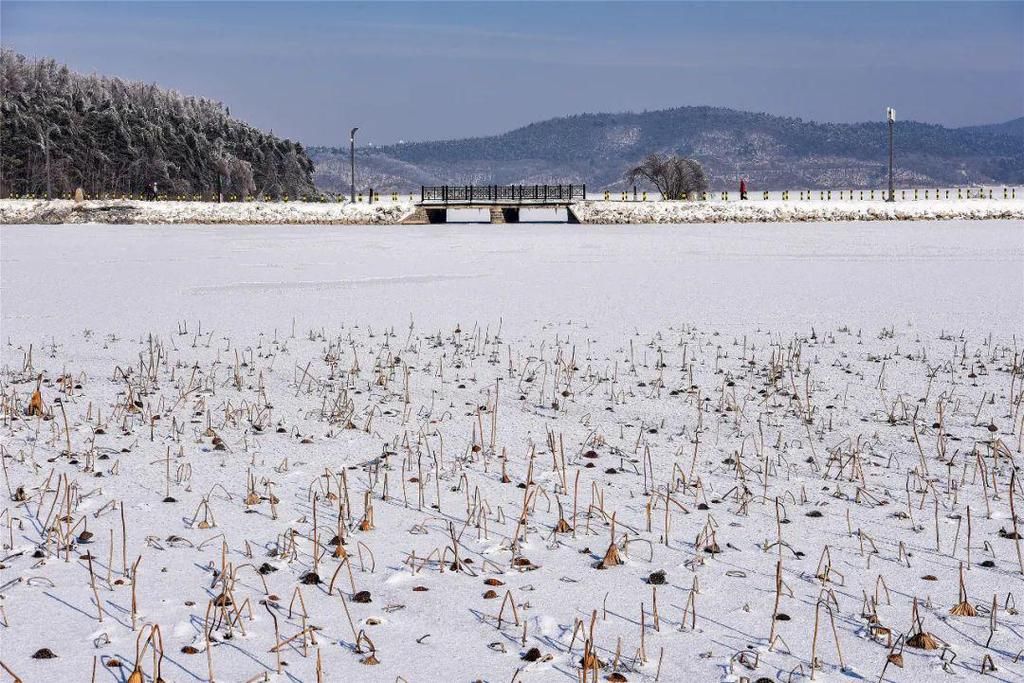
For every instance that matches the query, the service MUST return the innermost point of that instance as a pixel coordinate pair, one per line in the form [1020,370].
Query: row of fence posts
[848,195]
[372,196]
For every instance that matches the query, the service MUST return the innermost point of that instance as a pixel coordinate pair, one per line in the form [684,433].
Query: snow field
[475,411]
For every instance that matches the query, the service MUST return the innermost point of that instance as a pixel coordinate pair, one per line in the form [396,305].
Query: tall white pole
[352,159]
[890,114]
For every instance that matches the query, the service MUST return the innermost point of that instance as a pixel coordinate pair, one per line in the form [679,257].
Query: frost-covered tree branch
[675,177]
[65,130]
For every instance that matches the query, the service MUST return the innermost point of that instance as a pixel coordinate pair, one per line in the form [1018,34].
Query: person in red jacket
[743,188]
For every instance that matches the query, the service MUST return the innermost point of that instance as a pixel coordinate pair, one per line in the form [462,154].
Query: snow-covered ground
[778,210]
[597,212]
[472,410]
[28,211]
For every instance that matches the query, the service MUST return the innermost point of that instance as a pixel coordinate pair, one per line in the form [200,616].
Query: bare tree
[674,176]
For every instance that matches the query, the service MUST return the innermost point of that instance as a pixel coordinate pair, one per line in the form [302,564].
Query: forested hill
[771,151]
[106,135]
[1014,128]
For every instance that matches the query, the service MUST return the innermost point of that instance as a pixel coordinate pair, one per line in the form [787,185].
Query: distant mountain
[64,130]
[1014,127]
[772,152]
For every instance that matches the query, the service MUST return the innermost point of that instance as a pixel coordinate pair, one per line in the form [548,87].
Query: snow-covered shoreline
[779,211]
[62,211]
[594,212]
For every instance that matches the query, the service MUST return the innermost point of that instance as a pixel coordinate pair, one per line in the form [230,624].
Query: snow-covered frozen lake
[931,275]
[668,453]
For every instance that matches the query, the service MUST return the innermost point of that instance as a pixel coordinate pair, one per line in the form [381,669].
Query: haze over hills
[772,152]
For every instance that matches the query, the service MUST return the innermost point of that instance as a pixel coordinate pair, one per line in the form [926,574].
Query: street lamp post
[352,159]
[890,114]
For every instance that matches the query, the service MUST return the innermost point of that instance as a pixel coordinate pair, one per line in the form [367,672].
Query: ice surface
[931,276]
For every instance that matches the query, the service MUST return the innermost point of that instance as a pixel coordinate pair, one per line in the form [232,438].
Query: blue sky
[414,71]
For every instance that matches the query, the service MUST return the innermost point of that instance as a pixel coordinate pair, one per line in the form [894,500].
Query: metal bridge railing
[512,194]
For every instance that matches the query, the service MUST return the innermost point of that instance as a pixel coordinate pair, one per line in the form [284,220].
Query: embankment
[19,211]
[58,211]
[614,213]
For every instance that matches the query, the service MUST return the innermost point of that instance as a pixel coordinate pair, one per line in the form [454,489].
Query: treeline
[60,130]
